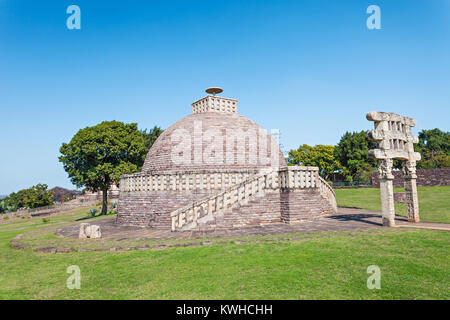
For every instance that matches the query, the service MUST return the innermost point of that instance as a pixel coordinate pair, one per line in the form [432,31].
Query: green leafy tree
[321,156]
[97,156]
[434,146]
[352,152]
[8,204]
[37,196]
[438,160]
[34,197]
[151,136]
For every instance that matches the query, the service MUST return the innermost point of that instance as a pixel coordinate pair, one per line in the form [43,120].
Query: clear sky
[312,69]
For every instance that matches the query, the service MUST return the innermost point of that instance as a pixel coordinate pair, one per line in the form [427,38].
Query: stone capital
[409,169]
[385,169]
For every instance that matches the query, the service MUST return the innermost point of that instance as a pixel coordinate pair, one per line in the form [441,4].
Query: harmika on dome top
[215,136]
[215,169]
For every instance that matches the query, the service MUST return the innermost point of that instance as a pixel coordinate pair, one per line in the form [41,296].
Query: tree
[434,146]
[352,152]
[34,197]
[321,156]
[438,160]
[151,136]
[97,156]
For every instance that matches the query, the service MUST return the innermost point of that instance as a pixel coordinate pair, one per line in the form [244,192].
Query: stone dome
[215,169]
[214,137]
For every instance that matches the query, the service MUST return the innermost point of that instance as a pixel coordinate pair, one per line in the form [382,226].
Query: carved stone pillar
[387,192]
[412,202]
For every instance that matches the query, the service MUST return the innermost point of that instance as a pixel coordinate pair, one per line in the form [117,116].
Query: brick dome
[214,137]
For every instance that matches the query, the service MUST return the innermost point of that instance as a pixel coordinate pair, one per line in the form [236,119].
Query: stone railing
[187,217]
[298,177]
[287,178]
[183,180]
[327,192]
[307,177]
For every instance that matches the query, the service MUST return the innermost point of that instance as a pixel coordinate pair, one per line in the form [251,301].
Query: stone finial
[214,90]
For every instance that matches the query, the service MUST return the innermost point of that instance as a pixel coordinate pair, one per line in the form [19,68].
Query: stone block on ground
[89,231]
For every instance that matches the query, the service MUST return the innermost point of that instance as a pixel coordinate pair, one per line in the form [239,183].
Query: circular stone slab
[214,90]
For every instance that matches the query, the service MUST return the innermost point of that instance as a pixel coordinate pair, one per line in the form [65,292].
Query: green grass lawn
[434,202]
[414,265]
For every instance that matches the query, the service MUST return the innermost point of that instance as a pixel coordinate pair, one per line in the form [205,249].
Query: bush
[5,218]
[45,220]
[34,197]
[113,207]
[92,212]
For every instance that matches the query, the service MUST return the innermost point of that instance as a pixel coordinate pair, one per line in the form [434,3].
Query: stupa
[217,169]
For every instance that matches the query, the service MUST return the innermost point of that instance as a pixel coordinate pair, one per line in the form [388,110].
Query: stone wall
[205,200]
[275,206]
[153,208]
[303,204]
[425,177]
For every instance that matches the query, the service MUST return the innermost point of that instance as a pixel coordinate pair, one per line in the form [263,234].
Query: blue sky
[309,68]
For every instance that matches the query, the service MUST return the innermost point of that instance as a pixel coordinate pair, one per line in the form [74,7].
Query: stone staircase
[204,212]
[256,201]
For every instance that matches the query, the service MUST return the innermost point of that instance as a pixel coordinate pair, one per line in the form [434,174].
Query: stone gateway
[395,141]
[216,169]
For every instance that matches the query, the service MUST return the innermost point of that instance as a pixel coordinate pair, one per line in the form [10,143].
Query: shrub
[5,218]
[45,220]
[113,207]
[92,212]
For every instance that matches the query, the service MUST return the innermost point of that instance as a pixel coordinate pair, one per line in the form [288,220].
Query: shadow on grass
[93,217]
[356,217]
[365,218]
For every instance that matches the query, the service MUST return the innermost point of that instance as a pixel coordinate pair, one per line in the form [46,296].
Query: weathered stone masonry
[216,169]
[395,141]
